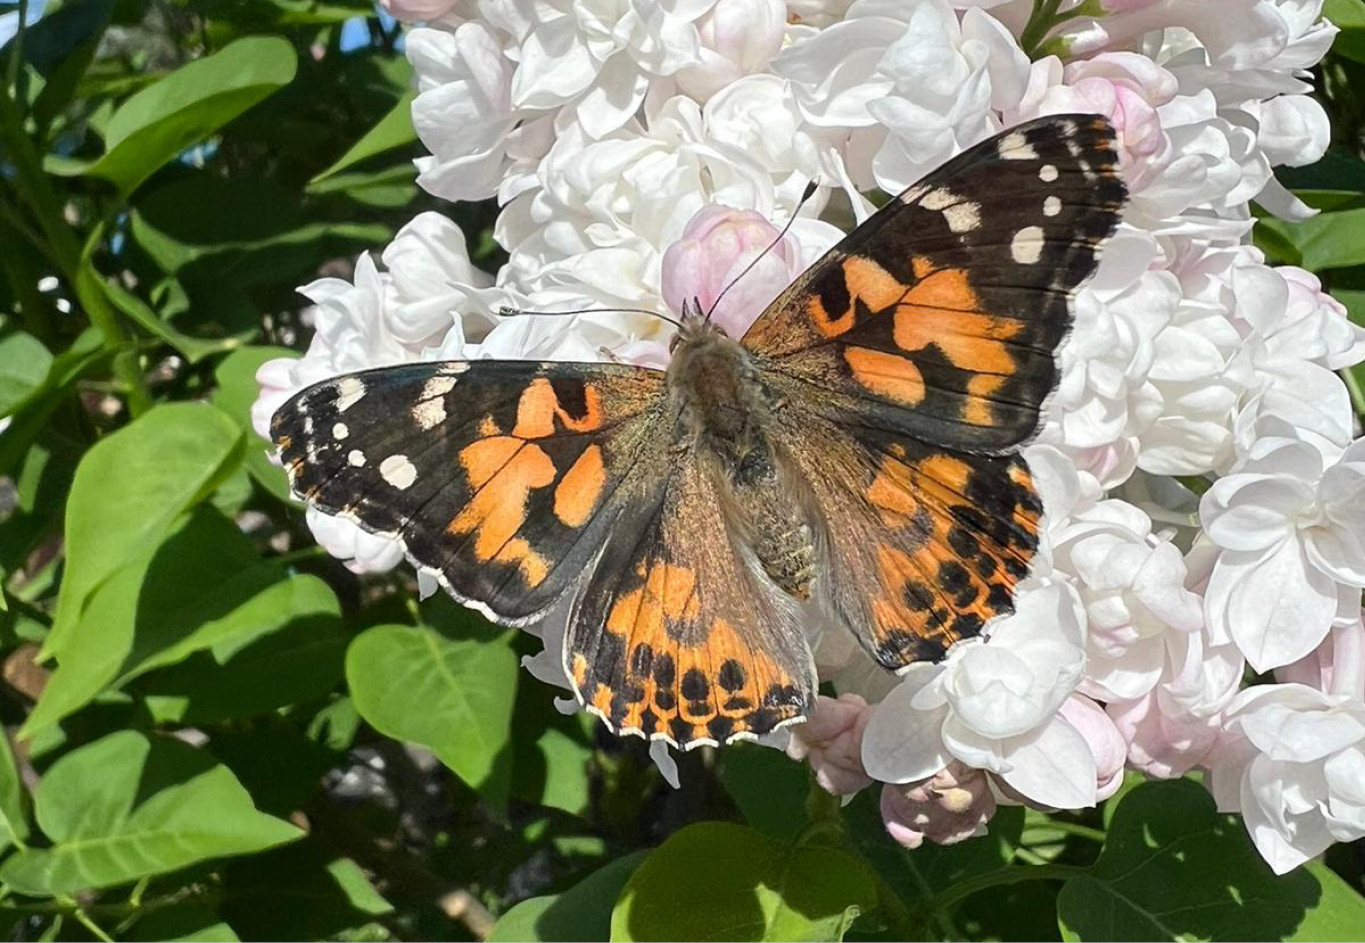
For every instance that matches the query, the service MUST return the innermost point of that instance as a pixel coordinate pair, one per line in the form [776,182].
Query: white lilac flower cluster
[1205,499]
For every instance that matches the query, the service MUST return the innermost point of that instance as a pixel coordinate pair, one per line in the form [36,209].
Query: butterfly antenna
[806,195]
[507,311]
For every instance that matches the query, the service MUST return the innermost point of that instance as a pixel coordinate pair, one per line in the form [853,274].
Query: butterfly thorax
[725,412]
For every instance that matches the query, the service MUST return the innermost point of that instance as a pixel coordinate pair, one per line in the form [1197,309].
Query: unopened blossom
[1292,761]
[949,807]
[717,245]
[1103,737]
[831,741]
[1292,559]
[415,11]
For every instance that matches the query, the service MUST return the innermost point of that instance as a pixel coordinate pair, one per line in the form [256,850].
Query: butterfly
[853,454]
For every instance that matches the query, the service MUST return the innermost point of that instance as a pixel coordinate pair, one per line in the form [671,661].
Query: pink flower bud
[412,11]
[1104,739]
[951,806]
[716,246]
[832,742]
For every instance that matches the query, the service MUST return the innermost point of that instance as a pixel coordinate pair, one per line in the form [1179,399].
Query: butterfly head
[695,327]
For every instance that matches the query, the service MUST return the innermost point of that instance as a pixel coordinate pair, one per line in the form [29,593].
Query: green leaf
[583,912]
[393,130]
[158,123]
[203,588]
[1349,17]
[24,364]
[768,786]
[127,807]
[717,881]
[253,673]
[301,892]
[237,391]
[454,696]
[1173,868]
[129,489]
[1327,241]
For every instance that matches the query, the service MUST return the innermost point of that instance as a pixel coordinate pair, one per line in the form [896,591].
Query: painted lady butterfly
[854,451]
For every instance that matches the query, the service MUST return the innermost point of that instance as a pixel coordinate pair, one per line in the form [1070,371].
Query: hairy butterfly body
[854,454]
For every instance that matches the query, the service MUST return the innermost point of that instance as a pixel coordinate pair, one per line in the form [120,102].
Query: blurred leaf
[201,215]
[393,130]
[257,14]
[129,489]
[24,365]
[161,121]
[300,892]
[454,696]
[765,889]
[1173,868]
[140,313]
[127,807]
[13,798]
[185,922]
[29,417]
[564,782]
[583,912]
[237,391]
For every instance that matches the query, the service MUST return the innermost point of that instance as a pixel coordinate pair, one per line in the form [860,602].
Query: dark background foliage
[217,732]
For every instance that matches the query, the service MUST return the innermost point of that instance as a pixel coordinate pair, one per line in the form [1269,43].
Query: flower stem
[1077,829]
[1040,22]
[960,891]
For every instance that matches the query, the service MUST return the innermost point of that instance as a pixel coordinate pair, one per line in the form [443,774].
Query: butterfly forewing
[501,477]
[939,317]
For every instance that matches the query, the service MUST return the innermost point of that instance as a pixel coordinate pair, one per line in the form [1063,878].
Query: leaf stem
[16,56]
[95,930]
[960,891]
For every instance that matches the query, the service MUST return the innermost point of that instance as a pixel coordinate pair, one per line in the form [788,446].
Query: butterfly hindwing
[502,477]
[938,317]
[923,545]
[676,636]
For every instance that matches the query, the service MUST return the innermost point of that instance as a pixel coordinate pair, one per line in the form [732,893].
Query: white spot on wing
[339,431]
[438,385]
[1052,206]
[453,368]
[1027,245]
[349,392]
[963,217]
[1047,173]
[429,413]
[1014,146]
[356,458]
[939,199]
[398,471]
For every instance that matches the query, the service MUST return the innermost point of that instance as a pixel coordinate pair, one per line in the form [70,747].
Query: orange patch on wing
[502,472]
[890,375]
[977,410]
[539,407]
[579,489]
[891,492]
[488,426]
[866,281]
[943,309]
